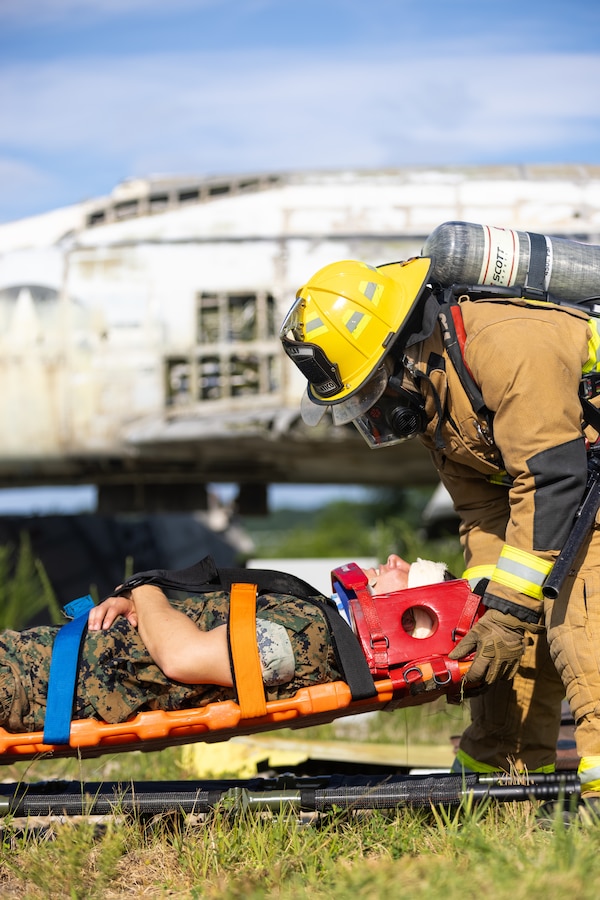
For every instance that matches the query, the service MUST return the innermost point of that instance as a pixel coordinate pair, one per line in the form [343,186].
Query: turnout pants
[517,722]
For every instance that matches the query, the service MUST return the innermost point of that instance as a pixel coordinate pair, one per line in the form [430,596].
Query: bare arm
[175,643]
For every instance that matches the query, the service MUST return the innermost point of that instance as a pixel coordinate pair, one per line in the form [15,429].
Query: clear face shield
[383,411]
[392,420]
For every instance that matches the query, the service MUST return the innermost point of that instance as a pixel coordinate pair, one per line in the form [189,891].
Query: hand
[498,640]
[102,616]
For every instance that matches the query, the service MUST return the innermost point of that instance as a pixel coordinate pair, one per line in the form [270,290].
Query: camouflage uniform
[118,678]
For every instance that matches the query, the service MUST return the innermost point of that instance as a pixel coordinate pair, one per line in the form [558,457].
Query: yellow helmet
[343,323]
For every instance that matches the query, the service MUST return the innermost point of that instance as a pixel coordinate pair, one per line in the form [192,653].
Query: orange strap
[244,651]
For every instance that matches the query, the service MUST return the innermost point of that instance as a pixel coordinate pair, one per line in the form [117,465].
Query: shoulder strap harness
[454,336]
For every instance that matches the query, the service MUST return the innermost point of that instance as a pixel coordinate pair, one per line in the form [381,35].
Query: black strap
[197,578]
[204,576]
[351,659]
[454,350]
[591,414]
[535,281]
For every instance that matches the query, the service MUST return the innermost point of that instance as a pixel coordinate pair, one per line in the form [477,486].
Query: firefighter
[502,419]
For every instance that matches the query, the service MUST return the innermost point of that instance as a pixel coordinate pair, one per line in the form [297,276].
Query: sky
[96,91]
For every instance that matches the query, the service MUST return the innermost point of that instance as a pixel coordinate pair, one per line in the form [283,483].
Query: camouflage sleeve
[276,653]
[24,676]
[309,635]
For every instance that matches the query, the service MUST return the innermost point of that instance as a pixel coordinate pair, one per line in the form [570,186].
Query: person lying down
[143,651]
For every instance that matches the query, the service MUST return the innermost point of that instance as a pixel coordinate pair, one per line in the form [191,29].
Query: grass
[462,852]
[25,590]
[490,850]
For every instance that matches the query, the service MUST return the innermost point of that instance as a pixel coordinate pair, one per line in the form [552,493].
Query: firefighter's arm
[175,643]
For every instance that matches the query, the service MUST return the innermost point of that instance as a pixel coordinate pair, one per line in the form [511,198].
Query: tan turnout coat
[527,361]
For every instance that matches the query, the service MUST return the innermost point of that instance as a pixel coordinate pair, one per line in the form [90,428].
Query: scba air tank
[465,253]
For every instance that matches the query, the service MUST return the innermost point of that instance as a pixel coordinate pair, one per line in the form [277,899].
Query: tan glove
[498,640]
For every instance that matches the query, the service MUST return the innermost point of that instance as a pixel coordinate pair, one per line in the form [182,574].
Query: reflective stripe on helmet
[521,571]
[371,290]
[315,327]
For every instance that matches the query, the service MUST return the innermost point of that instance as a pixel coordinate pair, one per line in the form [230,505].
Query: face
[388,577]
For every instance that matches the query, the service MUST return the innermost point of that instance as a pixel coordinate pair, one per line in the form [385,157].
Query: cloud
[86,123]
[219,106]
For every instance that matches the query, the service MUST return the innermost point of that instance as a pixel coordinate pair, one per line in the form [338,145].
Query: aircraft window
[270,315]
[209,319]
[273,373]
[237,316]
[242,317]
[96,218]
[245,375]
[210,376]
[178,381]
[236,350]
[158,202]
[189,196]
[219,377]
[126,208]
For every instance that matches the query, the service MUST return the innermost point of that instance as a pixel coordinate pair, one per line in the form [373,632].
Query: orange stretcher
[408,669]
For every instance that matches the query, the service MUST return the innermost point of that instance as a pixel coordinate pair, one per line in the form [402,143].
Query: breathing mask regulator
[398,415]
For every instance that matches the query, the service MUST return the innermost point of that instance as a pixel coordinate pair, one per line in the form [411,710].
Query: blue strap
[63,672]
[344,595]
